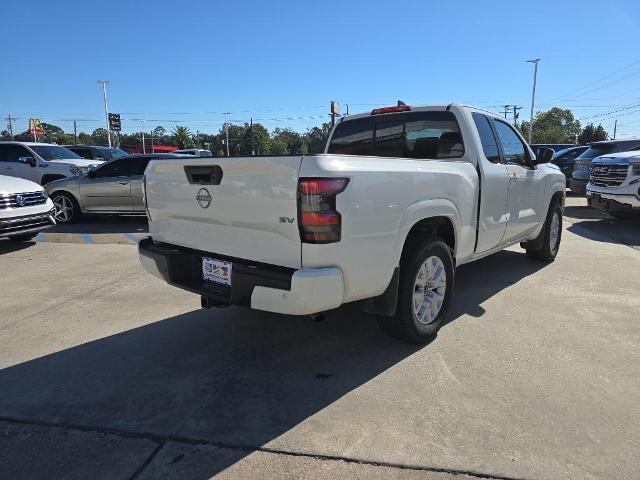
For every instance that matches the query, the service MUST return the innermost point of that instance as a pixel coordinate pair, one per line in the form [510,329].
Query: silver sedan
[113,188]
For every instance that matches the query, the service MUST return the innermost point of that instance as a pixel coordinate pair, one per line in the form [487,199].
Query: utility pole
[516,115]
[505,110]
[615,128]
[253,140]
[144,148]
[10,125]
[226,130]
[106,107]
[533,95]
[75,133]
[335,112]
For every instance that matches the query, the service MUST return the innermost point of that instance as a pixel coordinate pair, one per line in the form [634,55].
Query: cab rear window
[431,135]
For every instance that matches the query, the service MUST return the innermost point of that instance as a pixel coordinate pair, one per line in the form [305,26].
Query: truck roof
[421,108]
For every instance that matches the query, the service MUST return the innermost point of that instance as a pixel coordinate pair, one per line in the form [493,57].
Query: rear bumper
[11,227]
[257,285]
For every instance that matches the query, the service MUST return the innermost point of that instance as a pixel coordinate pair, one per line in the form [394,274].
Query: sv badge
[287,220]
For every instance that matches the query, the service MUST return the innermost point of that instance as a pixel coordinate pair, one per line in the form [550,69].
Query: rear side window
[137,166]
[432,135]
[488,139]
[353,137]
[114,168]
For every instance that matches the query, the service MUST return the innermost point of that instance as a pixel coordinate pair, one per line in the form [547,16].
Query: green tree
[182,137]
[591,133]
[557,125]
[316,137]
[159,132]
[278,146]
[99,136]
[293,141]
[84,139]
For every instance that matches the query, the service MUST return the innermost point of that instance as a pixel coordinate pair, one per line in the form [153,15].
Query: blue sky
[185,62]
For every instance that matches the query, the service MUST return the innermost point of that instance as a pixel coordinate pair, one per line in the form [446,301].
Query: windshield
[113,153]
[605,148]
[54,152]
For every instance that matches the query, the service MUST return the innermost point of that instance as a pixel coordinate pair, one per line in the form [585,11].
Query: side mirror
[28,160]
[545,156]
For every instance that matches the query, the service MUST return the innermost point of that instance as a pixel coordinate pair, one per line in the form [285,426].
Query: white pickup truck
[401,196]
[614,184]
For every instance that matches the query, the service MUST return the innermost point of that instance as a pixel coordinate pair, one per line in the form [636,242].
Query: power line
[596,81]
[628,107]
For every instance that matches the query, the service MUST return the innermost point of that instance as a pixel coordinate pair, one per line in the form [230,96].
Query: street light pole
[226,130]
[142,128]
[533,95]
[106,108]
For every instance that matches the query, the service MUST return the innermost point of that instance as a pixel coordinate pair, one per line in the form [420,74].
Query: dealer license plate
[216,271]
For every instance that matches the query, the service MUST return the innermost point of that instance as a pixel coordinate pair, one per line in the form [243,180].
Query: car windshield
[113,153]
[54,152]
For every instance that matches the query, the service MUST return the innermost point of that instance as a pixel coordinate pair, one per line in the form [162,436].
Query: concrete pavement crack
[147,461]
[162,440]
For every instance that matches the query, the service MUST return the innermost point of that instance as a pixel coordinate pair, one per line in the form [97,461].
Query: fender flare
[435,207]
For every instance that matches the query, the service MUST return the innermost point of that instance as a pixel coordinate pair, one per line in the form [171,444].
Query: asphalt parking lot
[106,372]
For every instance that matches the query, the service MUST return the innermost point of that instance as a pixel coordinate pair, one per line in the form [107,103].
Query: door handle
[123,183]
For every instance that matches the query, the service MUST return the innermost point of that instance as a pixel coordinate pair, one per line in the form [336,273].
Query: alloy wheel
[64,208]
[429,290]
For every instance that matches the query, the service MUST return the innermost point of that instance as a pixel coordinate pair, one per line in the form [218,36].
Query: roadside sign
[35,127]
[335,107]
[114,122]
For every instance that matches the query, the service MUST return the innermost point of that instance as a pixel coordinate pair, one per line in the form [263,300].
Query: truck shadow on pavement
[8,246]
[103,224]
[233,378]
[601,227]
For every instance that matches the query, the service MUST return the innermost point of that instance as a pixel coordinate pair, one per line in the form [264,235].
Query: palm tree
[182,136]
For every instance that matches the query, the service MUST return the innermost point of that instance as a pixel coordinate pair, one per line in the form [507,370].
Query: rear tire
[551,235]
[426,287]
[67,208]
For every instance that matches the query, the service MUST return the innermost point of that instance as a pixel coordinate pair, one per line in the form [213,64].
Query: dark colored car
[580,174]
[539,147]
[96,152]
[565,159]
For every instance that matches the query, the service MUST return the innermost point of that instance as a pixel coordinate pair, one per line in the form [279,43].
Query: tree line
[556,125]
[243,139]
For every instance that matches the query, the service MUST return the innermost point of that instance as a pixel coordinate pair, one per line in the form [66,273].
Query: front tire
[67,208]
[551,235]
[425,290]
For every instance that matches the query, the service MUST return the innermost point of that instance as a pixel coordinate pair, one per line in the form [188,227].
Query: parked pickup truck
[400,197]
[614,184]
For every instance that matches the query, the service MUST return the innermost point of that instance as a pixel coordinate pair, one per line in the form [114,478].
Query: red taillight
[318,219]
[399,108]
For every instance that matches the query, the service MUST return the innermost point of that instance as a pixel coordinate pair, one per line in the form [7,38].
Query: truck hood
[78,162]
[622,157]
[17,185]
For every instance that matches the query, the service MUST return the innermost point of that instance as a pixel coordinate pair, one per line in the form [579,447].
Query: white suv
[41,162]
[25,209]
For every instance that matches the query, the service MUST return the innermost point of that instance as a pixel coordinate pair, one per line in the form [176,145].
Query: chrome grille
[18,200]
[607,174]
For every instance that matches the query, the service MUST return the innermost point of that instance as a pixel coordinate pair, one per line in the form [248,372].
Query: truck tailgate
[249,213]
